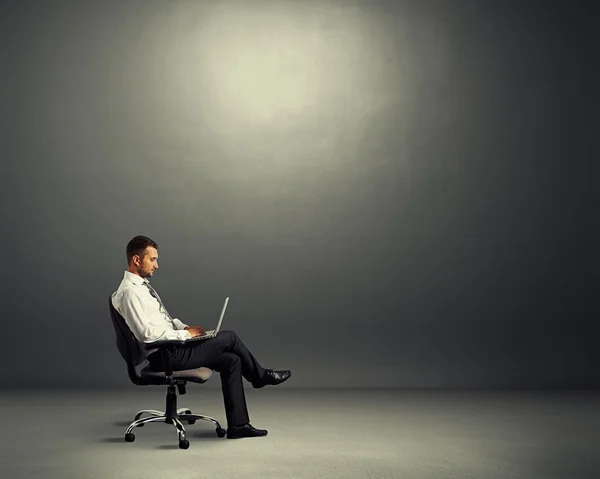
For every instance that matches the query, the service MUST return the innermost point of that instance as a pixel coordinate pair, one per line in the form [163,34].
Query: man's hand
[195,330]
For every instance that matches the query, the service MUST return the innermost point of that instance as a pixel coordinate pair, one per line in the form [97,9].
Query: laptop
[213,332]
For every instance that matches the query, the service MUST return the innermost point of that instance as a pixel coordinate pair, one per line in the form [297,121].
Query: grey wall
[418,171]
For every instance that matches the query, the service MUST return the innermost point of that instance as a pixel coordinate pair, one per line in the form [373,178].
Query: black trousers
[226,354]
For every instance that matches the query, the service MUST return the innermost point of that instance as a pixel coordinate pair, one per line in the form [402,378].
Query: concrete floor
[350,434]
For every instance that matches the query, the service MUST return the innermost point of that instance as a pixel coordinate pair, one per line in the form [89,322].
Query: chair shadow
[206,435]
[193,437]
[122,423]
[113,440]
[194,432]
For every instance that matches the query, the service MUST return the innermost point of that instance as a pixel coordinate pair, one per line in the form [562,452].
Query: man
[146,316]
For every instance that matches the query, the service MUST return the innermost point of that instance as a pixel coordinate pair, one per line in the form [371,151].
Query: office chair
[133,355]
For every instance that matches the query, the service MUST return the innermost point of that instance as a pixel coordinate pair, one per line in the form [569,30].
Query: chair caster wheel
[184,444]
[220,432]
[192,421]
[129,437]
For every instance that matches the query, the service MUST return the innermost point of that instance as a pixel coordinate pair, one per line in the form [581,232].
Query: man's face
[149,263]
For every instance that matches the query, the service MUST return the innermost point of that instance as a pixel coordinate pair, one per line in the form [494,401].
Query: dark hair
[137,246]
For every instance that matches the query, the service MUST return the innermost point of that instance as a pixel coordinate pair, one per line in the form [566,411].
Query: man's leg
[227,355]
[200,353]
[251,368]
[196,354]
[230,368]
[228,364]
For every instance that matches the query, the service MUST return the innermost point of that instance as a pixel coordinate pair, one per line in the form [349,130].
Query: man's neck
[136,273]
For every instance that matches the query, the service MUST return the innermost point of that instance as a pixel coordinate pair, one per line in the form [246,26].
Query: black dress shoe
[272,378]
[247,430]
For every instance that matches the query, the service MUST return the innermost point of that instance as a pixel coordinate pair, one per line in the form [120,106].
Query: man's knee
[233,362]
[227,334]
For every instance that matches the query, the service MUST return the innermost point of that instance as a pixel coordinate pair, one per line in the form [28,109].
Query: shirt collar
[134,278]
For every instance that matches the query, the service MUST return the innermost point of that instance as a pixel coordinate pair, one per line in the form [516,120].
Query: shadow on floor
[113,440]
[191,433]
[168,446]
[126,424]
[122,423]
[203,434]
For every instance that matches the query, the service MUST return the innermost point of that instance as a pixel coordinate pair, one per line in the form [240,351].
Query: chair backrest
[130,349]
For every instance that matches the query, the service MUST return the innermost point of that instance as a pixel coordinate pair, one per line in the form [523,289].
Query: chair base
[183,415]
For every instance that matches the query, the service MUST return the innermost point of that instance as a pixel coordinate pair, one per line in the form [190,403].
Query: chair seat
[198,375]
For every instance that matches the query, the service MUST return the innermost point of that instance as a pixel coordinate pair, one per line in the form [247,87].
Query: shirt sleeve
[179,324]
[133,313]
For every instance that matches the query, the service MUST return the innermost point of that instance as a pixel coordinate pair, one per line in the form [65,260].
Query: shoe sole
[244,437]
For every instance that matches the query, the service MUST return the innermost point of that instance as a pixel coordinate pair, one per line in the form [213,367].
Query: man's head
[142,256]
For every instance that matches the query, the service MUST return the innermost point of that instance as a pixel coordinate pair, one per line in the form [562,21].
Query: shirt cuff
[185,334]
[179,324]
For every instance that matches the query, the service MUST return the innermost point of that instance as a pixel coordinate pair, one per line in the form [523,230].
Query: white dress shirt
[144,314]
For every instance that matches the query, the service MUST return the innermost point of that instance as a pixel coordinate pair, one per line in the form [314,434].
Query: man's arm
[133,313]
[193,330]
[179,324]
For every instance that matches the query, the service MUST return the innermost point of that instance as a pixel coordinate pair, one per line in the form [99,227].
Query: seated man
[148,319]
